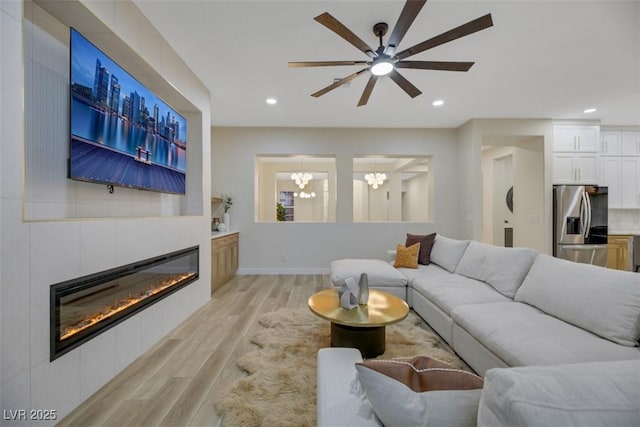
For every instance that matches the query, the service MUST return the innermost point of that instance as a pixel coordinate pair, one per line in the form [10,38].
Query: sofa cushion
[426,244]
[380,274]
[521,335]
[502,268]
[584,394]
[603,301]
[336,404]
[447,252]
[420,392]
[448,290]
[407,257]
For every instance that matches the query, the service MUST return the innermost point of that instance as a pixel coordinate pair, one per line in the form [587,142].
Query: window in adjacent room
[295,188]
[392,188]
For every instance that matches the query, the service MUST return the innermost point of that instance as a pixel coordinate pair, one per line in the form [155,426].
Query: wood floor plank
[177,381]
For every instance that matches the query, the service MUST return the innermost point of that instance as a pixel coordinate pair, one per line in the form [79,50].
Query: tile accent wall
[34,255]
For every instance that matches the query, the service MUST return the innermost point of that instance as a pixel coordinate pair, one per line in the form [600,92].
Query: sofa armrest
[391,255]
[337,404]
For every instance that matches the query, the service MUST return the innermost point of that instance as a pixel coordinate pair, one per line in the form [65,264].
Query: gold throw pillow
[407,257]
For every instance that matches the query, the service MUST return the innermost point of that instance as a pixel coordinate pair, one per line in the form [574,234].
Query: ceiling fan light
[382,67]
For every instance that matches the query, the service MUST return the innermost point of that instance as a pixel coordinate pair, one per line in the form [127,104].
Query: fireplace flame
[121,305]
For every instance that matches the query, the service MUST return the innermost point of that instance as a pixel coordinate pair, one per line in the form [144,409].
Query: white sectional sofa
[512,307]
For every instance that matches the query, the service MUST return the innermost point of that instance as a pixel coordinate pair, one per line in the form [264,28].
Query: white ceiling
[541,59]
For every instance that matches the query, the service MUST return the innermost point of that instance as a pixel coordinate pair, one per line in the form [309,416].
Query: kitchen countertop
[624,232]
[217,234]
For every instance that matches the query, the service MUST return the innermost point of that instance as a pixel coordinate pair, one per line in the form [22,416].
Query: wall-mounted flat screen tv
[121,133]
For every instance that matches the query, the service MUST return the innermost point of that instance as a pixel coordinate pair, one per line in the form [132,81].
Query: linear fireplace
[82,308]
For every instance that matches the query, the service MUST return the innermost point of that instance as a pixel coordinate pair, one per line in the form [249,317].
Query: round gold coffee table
[362,327]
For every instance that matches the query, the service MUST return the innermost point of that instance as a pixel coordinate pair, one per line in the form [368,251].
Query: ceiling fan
[385,60]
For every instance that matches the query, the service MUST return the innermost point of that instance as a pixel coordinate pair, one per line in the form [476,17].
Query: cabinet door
[588,140]
[618,255]
[563,168]
[586,168]
[630,177]
[631,143]
[610,143]
[610,176]
[576,138]
[564,138]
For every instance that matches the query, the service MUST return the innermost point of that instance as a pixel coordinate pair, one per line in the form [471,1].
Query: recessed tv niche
[121,132]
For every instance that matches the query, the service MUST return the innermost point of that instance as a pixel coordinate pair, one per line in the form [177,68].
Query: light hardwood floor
[176,382]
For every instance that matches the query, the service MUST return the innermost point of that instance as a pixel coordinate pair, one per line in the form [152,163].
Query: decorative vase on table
[363,292]
[226,220]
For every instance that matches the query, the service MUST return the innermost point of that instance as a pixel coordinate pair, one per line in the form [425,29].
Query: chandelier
[301,179]
[375,179]
[305,194]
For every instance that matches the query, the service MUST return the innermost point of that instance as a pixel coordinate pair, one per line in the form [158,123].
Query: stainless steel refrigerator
[580,222]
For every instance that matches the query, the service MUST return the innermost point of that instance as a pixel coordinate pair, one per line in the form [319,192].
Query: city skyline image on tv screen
[121,132]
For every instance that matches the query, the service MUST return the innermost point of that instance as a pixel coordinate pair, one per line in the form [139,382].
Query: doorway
[513,191]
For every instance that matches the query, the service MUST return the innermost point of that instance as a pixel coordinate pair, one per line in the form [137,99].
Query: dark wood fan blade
[407,16]
[405,84]
[337,27]
[338,83]
[323,63]
[366,93]
[435,65]
[453,34]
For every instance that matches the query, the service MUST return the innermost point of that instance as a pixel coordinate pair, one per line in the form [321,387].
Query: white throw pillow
[581,394]
[420,392]
[502,268]
[603,301]
[447,252]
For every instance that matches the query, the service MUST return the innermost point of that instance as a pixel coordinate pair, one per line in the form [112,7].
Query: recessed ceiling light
[438,103]
[590,110]
[272,101]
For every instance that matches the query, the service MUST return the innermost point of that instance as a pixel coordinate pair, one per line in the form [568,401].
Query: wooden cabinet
[575,168]
[576,138]
[620,252]
[224,259]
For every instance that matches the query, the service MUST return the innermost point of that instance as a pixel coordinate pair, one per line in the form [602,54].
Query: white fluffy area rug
[280,389]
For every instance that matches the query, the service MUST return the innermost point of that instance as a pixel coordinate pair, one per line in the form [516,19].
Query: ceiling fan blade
[323,63]
[405,84]
[367,90]
[453,34]
[406,18]
[337,27]
[435,65]
[338,83]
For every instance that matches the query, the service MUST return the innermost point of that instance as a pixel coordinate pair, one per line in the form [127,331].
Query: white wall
[416,197]
[471,136]
[310,247]
[35,255]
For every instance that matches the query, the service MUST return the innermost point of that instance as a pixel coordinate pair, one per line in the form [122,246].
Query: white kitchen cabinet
[575,168]
[610,143]
[630,182]
[611,176]
[630,143]
[576,138]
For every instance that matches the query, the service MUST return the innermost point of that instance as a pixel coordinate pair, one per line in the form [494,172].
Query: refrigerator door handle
[588,211]
[583,216]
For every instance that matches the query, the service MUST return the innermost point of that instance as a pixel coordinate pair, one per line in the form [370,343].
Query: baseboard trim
[283,271]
